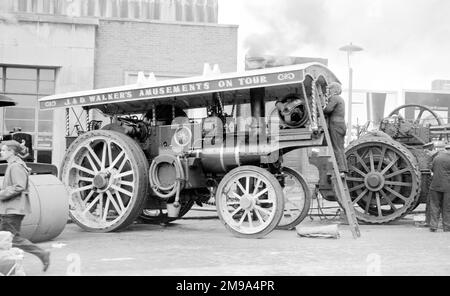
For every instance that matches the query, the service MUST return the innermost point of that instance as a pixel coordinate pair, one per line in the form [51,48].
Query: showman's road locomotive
[154,162]
[389,168]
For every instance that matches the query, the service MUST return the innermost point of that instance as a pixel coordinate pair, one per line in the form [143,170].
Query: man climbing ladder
[336,109]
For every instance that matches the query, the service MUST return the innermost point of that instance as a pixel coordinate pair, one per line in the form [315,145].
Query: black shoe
[45,261]
[433,229]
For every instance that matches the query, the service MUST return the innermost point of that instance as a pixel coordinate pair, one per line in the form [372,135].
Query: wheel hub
[101,180]
[247,202]
[374,181]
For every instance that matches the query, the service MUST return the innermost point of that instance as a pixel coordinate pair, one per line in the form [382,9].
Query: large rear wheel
[383,180]
[106,175]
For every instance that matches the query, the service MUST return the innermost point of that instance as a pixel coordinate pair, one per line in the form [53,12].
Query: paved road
[204,247]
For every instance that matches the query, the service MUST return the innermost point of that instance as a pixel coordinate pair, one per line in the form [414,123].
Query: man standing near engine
[335,112]
[440,191]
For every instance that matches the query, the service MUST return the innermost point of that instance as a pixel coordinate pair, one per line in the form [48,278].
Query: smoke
[400,38]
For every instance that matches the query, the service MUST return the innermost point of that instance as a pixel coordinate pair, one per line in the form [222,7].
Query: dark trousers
[12,223]
[337,135]
[439,203]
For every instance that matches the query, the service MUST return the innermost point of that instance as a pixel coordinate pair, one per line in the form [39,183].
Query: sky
[406,43]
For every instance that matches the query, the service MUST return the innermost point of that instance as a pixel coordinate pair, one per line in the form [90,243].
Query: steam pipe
[257,109]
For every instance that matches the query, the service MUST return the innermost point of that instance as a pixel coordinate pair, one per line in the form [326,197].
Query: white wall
[64,43]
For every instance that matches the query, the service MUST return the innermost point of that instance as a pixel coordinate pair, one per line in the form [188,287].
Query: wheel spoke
[398,183]
[264,211]
[355,179]
[380,161]
[250,219]
[233,203]
[90,186]
[388,200]
[377,196]
[92,152]
[269,201]
[235,211]
[361,161]
[96,199]
[118,157]
[257,186]
[236,195]
[372,164]
[86,199]
[124,161]
[247,184]
[80,168]
[105,212]
[117,188]
[86,179]
[126,183]
[124,174]
[100,205]
[368,203]
[94,167]
[405,199]
[397,173]
[389,165]
[119,200]
[352,168]
[242,218]
[259,216]
[115,205]
[357,187]
[261,192]
[105,149]
[417,120]
[110,153]
[240,187]
[360,196]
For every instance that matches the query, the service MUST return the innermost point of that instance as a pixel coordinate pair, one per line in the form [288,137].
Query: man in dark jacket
[14,200]
[440,190]
[335,112]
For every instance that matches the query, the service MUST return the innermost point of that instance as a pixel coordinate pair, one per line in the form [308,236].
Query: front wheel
[249,202]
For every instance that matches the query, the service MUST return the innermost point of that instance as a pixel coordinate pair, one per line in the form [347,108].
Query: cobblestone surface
[200,245]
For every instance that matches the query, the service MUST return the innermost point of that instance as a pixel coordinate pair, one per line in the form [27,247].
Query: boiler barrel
[49,208]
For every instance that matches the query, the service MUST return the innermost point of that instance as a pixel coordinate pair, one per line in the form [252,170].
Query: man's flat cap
[12,144]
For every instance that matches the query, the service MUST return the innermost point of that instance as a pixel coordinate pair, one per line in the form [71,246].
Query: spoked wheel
[249,201]
[106,175]
[297,199]
[424,114]
[383,179]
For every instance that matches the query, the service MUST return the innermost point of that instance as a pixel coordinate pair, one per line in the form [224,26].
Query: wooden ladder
[339,183]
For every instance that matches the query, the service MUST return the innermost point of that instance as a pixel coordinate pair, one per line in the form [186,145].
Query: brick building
[57,46]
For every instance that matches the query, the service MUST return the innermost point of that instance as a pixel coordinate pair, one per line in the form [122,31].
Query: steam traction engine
[154,162]
[389,168]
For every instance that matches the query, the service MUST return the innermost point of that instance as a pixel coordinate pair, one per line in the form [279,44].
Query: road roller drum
[49,208]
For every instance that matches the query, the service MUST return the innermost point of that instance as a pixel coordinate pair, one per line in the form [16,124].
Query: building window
[26,85]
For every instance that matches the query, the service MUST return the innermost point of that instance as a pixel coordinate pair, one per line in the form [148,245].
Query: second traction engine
[389,167]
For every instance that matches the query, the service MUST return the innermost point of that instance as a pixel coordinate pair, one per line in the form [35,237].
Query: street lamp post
[350,48]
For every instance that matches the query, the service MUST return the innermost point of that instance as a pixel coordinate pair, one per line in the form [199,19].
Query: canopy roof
[193,92]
